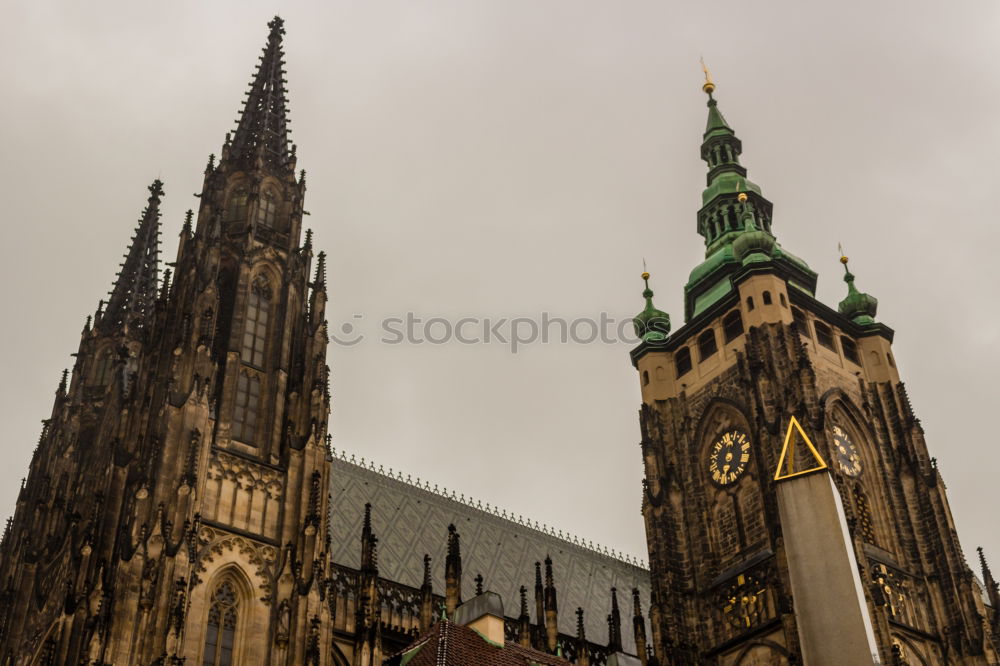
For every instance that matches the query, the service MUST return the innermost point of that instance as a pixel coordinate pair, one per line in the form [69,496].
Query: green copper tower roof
[858,306]
[651,324]
[735,220]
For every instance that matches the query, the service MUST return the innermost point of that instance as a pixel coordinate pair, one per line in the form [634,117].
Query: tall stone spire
[453,572]
[551,608]
[992,588]
[262,129]
[131,300]
[614,624]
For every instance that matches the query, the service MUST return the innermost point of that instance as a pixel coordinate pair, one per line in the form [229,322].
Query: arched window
[682,359]
[784,301]
[247,406]
[750,303]
[732,325]
[222,616]
[707,345]
[645,377]
[255,326]
[102,373]
[236,209]
[268,209]
[767,297]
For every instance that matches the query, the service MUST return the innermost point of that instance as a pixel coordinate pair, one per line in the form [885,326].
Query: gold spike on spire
[709,85]
[843,257]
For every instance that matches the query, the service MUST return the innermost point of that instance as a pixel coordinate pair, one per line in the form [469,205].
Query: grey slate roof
[410,521]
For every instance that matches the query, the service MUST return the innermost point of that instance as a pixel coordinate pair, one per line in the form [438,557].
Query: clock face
[847,454]
[728,457]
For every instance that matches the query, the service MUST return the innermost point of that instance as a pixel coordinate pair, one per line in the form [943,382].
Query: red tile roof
[450,644]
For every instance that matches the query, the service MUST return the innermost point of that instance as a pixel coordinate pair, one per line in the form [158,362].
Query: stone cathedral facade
[756,349]
[184,504]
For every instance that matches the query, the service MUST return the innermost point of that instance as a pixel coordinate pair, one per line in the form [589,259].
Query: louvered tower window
[864,514]
[255,325]
[220,637]
[246,410]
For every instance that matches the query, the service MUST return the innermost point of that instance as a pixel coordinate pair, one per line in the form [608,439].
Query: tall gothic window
[255,326]
[247,408]
[236,209]
[219,638]
[102,373]
[268,210]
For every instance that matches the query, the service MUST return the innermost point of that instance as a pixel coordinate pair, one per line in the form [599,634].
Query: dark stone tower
[176,505]
[757,349]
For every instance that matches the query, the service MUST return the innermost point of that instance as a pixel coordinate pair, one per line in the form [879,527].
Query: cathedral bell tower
[757,355]
[176,506]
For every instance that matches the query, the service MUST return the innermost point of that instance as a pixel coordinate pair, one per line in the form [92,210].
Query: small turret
[614,625]
[539,605]
[752,245]
[524,621]
[651,324]
[638,626]
[992,589]
[453,572]
[858,306]
[551,609]
[582,652]
[426,597]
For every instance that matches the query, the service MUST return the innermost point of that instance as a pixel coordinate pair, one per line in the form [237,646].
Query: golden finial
[741,197]
[843,257]
[645,273]
[708,86]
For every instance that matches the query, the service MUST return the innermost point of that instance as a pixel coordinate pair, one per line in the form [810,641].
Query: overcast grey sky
[503,158]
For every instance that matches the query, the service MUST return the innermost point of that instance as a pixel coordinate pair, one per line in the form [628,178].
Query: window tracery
[221,631]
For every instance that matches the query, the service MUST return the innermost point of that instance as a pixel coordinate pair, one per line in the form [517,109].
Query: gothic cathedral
[719,397]
[195,415]
[184,505]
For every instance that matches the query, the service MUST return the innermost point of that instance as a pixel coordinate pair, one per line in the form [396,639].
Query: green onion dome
[651,324]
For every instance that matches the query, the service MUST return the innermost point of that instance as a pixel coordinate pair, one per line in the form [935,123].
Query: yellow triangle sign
[789,464]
